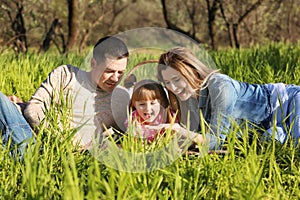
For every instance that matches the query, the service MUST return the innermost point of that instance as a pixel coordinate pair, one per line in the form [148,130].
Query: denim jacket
[224,99]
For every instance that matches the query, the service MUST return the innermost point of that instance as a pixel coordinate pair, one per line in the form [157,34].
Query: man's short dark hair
[110,47]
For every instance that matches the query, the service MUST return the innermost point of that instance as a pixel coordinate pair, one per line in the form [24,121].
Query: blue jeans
[287,112]
[13,126]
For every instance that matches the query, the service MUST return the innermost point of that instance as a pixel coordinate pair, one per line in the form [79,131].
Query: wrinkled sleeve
[223,97]
[49,90]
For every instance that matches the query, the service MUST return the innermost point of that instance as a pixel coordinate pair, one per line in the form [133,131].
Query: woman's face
[148,110]
[176,83]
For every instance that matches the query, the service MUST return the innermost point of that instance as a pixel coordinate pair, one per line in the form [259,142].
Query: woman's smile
[176,83]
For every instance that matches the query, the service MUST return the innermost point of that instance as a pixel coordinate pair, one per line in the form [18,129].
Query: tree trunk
[235,36]
[18,26]
[212,10]
[73,24]
[227,24]
[54,31]
[172,26]
[232,25]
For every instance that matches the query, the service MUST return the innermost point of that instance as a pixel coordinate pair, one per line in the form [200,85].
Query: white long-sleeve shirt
[91,107]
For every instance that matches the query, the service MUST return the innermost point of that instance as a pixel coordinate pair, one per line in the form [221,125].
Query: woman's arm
[223,97]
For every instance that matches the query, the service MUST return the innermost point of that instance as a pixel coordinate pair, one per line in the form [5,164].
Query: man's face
[108,74]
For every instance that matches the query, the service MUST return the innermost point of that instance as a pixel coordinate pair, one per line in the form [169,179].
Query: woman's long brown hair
[189,66]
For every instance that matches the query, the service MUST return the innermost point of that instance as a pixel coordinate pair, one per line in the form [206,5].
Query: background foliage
[216,23]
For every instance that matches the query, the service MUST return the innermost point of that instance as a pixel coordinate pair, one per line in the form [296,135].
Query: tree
[93,14]
[51,36]
[18,38]
[212,9]
[73,24]
[215,23]
[97,14]
[234,14]
[189,12]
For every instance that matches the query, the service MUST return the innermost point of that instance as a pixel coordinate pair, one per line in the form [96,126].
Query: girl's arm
[194,137]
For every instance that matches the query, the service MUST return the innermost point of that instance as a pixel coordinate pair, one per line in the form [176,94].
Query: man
[87,94]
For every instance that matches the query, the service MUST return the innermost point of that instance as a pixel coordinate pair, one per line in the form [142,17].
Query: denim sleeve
[223,96]
[214,142]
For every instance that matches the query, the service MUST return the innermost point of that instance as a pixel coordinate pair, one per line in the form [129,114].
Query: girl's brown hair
[151,90]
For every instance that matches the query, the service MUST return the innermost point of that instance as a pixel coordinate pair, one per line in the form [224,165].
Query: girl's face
[148,110]
[177,84]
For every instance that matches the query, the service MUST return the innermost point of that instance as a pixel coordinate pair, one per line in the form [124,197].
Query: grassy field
[53,169]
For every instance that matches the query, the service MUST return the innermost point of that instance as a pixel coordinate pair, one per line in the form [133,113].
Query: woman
[221,98]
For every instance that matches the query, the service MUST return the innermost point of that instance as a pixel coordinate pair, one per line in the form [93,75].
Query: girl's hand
[175,127]
[197,138]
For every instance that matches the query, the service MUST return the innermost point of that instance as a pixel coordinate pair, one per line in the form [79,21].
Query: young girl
[150,107]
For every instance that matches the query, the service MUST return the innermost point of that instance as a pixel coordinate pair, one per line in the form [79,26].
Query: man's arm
[48,91]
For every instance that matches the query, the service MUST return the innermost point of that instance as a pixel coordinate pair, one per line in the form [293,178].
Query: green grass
[53,169]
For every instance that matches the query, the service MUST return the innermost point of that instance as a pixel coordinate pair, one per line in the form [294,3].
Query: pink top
[148,133]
